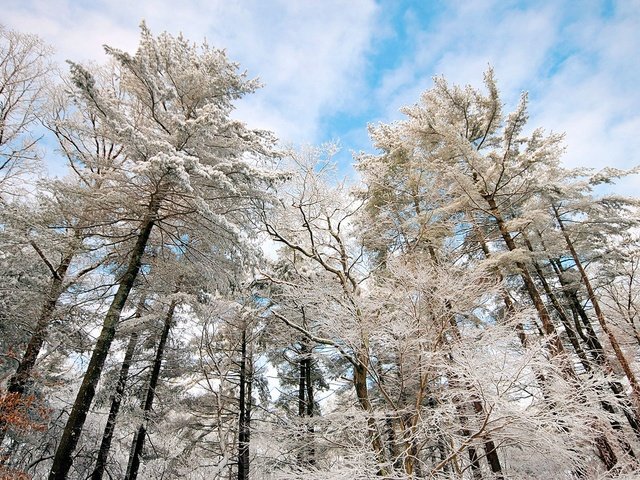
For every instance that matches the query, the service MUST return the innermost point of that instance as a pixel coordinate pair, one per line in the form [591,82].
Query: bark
[19,381]
[633,381]
[138,440]
[508,304]
[116,400]
[555,345]
[243,421]
[310,407]
[581,319]
[302,384]
[596,351]
[556,349]
[490,448]
[571,334]
[360,370]
[474,460]
[63,457]
[306,403]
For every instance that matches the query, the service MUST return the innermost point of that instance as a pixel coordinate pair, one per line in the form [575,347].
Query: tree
[24,68]
[487,178]
[186,162]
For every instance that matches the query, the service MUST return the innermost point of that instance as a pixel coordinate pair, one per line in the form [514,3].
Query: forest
[194,300]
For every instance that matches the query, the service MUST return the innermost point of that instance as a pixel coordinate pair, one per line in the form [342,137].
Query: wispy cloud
[330,67]
[309,55]
[578,60]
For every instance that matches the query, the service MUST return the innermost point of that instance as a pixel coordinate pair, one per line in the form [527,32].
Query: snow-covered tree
[186,162]
[24,70]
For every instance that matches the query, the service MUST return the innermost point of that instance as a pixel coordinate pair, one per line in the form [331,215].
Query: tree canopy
[194,300]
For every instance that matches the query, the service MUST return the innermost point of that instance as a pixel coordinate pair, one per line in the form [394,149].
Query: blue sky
[331,67]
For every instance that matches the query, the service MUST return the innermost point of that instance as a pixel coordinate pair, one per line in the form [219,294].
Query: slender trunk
[63,457]
[555,345]
[310,407]
[22,376]
[522,336]
[395,447]
[305,404]
[138,440]
[556,349]
[633,381]
[116,400]
[243,427]
[19,381]
[248,407]
[581,319]
[571,334]
[310,399]
[442,451]
[489,446]
[597,353]
[360,371]
[508,304]
[474,460]
[302,383]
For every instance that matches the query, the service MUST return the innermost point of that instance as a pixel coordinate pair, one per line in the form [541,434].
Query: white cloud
[578,64]
[309,55]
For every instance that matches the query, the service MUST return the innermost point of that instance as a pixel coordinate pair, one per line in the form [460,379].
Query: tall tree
[24,69]
[186,162]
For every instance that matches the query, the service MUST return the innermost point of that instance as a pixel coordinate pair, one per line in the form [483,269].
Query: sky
[330,67]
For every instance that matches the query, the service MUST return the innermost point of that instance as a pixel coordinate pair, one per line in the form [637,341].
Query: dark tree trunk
[310,406]
[305,404]
[633,381]
[138,440]
[63,457]
[360,371]
[590,338]
[556,349]
[594,346]
[571,334]
[19,381]
[243,420]
[506,299]
[555,345]
[490,449]
[302,383]
[116,400]
[489,446]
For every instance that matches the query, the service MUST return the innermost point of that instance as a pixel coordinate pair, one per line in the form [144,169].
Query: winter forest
[194,300]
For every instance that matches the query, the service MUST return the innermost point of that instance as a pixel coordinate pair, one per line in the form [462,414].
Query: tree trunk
[556,349]
[633,381]
[489,446]
[555,345]
[310,406]
[116,400]
[597,353]
[302,383]
[63,457]
[360,371]
[508,304]
[571,334]
[138,440]
[305,404]
[243,421]
[18,381]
